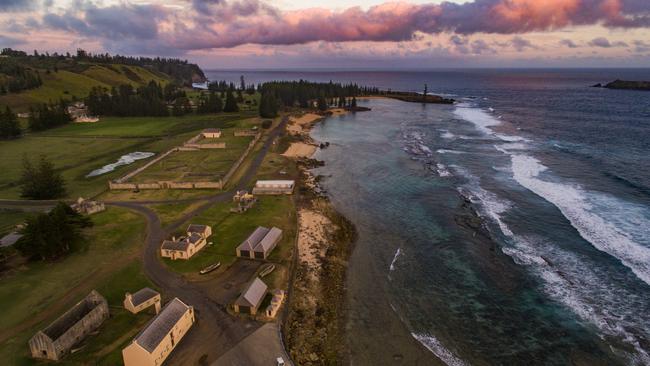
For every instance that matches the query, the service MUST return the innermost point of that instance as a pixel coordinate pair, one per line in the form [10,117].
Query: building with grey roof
[260,243]
[251,298]
[69,329]
[160,336]
[141,300]
[186,247]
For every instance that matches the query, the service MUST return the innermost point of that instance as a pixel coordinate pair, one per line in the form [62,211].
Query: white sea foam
[478,117]
[447,151]
[594,225]
[392,263]
[569,279]
[127,159]
[434,345]
[442,170]
[447,135]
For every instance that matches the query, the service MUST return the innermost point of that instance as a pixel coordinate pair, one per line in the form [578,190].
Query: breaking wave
[600,219]
[434,345]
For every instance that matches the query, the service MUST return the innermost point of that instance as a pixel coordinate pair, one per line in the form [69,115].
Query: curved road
[215,332]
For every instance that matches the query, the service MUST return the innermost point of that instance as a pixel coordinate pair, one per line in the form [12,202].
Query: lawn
[230,229]
[153,126]
[9,218]
[201,165]
[169,212]
[77,149]
[110,264]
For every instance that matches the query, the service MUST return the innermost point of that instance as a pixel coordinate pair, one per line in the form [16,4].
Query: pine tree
[322,103]
[231,103]
[42,182]
[268,105]
[353,104]
[9,126]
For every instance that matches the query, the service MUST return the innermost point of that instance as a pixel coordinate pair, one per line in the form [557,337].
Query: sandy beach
[300,150]
[301,125]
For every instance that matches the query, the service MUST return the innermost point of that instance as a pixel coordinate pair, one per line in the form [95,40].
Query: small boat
[267,269]
[210,268]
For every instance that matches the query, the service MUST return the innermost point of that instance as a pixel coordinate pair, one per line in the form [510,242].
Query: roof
[175,245]
[274,183]
[194,238]
[211,130]
[71,317]
[253,295]
[143,295]
[158,328]
[194,228]
[253,239]
[269,240]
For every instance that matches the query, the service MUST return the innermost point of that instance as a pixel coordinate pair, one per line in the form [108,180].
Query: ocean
[510,228]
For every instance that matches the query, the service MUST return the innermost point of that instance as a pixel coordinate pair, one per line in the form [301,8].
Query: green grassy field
[201,165]
[67,84]
[10,218]
[109,264]
[78,149]
[230,229]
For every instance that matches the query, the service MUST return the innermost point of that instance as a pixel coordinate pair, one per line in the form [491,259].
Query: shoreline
[315,325]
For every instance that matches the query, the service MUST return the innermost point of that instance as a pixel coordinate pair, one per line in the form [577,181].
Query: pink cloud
[399,21]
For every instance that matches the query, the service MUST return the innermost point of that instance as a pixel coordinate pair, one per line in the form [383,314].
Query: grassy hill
[77,82]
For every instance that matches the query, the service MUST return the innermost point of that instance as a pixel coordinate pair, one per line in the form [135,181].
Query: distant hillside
[31,79]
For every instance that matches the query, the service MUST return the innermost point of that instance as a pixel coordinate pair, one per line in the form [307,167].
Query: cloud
[116,22]
[521,44]
[10,41]
[16,5]
[402,21]
[641,46]
[211,24]
[603,42]
[569,43]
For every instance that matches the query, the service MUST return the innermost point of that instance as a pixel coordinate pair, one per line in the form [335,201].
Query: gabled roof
[143,295]
[194,228]
[211,130]
[194,238]
[253,239]
[269,240]
[158,328]
[175,245]
[253,295]
[79,311]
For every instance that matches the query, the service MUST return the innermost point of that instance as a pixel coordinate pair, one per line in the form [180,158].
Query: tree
[41,182]
[268,105]
[353,104]
[426,91]
[322,103]
[9,126]
[231,103]
[242,85]
[53,234]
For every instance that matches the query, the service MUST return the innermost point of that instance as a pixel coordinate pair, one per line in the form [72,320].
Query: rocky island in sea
[625,85]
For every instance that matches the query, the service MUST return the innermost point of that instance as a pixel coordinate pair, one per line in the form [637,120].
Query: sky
[351,34]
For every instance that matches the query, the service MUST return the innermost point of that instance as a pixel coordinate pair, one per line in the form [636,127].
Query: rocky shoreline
[315,324]
[418,98]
